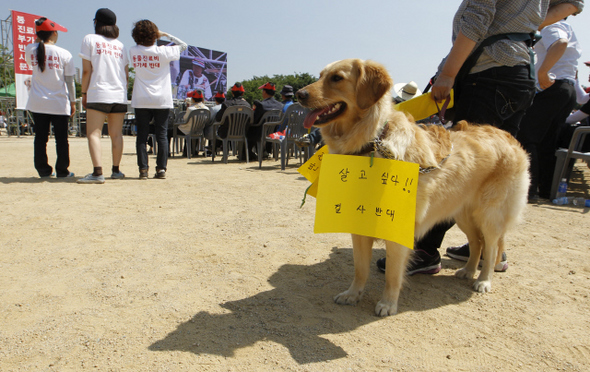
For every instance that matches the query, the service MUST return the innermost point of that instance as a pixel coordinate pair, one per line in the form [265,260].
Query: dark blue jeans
[62,147]
[497,96]
[143,117]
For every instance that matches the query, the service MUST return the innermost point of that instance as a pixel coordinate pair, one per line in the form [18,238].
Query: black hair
[110,31]
[237,93]
[145,32]
[219,99]
[270,92]
[43,37]
[197,99]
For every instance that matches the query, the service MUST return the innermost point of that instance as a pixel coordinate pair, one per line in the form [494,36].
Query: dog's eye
[336,78]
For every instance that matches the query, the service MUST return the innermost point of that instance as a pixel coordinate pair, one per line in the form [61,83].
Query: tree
[131,81]
[297,81]
[6,67]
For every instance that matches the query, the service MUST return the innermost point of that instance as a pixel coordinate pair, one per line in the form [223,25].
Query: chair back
[563,156]
[171,118]
[238,118]
[295,115]
[198,118]
[179,118]
[268,116]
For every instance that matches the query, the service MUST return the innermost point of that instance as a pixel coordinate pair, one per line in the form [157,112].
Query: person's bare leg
[115,122]
[94,124]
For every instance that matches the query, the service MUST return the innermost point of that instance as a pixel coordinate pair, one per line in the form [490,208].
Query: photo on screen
[198,68]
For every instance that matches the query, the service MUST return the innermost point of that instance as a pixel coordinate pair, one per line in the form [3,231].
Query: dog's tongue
[312,117]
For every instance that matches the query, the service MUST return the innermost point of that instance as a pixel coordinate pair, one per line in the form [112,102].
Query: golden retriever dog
[476,175]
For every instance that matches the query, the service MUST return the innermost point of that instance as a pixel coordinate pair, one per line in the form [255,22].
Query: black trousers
[143,118]
[497,96]
[43,124]
[539,131]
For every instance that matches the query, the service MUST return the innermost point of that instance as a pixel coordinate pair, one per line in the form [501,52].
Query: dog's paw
[482,286]
[463,273]
[385,308]
[348,297]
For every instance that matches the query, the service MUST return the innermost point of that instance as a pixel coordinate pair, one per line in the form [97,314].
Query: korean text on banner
[23,34]
[311,169]
[377,201]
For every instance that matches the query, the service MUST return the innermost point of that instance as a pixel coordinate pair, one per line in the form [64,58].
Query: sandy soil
[217,268]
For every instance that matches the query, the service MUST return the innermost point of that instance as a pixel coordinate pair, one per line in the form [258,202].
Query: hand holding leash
[441,89]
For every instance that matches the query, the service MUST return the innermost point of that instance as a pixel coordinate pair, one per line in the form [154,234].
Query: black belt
[570,82]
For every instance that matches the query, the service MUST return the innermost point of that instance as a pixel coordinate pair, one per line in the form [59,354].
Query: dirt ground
[216,268]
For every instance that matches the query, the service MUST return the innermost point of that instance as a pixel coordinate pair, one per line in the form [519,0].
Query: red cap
[237,89]
[269,86]
[219,95]
[44,24]
[195,94]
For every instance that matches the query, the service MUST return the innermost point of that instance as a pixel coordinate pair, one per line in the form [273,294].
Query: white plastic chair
[562,166]
[237,119]
[198,118]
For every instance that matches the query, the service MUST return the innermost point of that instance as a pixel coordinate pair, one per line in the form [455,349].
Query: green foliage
[6,67]
[131,81]
[297,81]
[78,89]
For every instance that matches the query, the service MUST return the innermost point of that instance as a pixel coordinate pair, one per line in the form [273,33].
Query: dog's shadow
[300,309]
[8,180]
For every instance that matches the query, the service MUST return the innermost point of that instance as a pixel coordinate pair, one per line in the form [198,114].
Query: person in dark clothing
[237,92]
[260,107]
[494,87]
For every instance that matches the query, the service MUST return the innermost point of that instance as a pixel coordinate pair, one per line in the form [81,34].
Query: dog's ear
[374,81]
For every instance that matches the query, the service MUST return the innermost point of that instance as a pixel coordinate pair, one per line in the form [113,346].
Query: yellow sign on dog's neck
[361,196]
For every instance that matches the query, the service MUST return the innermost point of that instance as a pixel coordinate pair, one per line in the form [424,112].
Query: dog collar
[377,146]
[370,146]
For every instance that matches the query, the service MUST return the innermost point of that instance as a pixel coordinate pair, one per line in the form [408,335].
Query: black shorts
[107,108]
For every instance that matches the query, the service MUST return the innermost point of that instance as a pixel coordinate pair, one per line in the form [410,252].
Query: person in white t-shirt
[152,91]
[52,98]
[105,73]
[557,53]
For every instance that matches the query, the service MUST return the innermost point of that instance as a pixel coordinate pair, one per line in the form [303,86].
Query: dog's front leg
[483,283]
[395,271]
[361,251]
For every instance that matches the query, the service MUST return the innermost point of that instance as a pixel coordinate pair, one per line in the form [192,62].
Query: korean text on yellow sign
[377,201]
[311,169]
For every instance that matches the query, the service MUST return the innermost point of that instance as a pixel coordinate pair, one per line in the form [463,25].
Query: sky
[277,37]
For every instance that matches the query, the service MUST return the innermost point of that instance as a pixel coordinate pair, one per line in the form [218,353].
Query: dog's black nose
[302,95]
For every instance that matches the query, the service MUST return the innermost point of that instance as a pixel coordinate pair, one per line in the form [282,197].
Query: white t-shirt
[49,92]
[567,65]
[108,82]
[152,87]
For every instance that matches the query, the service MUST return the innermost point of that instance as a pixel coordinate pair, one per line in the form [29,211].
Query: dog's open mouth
[324,115]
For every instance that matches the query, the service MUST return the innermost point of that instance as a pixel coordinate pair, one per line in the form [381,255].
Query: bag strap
[529,39]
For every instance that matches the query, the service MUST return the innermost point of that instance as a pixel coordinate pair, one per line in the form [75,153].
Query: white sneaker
[89,178]
[117,176]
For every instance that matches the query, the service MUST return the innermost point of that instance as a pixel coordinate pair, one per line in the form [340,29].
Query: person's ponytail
[43,37]
[41,54]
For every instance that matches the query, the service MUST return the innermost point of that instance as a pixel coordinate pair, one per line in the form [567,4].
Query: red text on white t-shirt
[142,61]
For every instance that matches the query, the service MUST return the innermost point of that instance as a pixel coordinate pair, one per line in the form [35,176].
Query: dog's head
[344,91]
